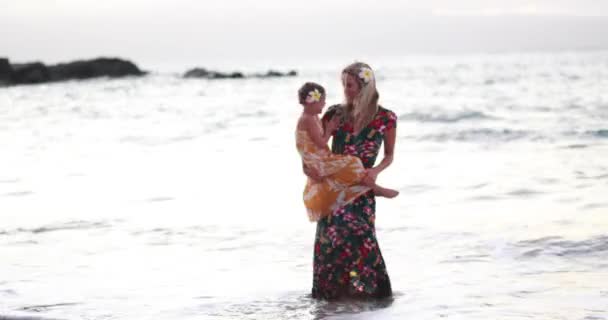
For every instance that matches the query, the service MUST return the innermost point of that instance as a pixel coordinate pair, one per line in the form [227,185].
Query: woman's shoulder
[383,110]
[387,117]
[387,113]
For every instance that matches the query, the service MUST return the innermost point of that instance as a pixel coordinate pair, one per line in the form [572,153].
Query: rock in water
[101,67]
[276,74]
[27,73]
[6,72]
[197,73]
[204,73]
[208,74]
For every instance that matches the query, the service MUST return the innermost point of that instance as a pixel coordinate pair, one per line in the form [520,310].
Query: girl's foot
[387,193]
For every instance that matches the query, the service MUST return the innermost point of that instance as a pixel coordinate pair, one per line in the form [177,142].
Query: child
[342,174]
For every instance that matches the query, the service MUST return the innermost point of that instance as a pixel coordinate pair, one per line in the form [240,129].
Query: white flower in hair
[313,96]
[366,74]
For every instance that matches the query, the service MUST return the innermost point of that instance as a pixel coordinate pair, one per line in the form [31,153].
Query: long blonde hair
[365,105]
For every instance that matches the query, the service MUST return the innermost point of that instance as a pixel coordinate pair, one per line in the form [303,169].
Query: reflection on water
[293,305]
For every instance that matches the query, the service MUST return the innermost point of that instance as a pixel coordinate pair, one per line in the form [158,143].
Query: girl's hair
[365,104]
[306,88]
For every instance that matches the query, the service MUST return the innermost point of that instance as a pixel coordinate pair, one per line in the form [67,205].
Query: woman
[347,258]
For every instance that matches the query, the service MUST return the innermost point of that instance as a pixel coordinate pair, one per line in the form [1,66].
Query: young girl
[342,175]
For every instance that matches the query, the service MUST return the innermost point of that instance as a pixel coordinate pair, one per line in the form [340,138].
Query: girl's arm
[313,128]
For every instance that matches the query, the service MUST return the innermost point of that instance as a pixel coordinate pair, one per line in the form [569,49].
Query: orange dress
[341,174]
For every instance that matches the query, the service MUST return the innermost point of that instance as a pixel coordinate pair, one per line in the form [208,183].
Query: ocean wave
[599,133]
[18,317]
[497,80]
[254,114]
[150,141]
[9,180]
[557,246]
[445,117]
[18,193]
[524,193]
[480,135]
[576,146]
[602,133]
[71,225]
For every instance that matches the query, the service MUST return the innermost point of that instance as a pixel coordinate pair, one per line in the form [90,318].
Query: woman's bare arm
[389,150]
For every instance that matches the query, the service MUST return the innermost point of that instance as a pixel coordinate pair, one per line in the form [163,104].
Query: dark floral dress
[347,258]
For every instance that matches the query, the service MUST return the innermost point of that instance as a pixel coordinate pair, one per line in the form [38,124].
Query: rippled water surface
[165,198]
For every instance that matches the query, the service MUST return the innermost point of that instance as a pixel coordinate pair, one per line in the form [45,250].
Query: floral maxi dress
[347,258]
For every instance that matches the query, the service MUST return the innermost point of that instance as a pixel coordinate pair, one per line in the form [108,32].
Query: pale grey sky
[185,32]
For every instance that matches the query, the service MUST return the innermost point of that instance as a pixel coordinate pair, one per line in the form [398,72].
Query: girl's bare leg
[385,192]
[381,191]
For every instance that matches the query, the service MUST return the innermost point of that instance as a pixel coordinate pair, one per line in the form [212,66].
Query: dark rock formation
[37,72]
[277,74]
[102,67]
[6,72]
[28,73]
[204,73]
[207,74]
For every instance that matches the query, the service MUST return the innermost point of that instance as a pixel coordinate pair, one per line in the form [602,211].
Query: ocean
[167,198]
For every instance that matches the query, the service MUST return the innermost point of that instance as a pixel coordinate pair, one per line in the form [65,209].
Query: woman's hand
[372,174]
[312,173]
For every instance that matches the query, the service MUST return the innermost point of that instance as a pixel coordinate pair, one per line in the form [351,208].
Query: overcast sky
[182,32]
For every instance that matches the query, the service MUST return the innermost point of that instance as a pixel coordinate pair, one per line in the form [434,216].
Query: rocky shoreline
[37,72]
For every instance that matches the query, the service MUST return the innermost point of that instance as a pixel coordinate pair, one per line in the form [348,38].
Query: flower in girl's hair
[366,74]
[313,96]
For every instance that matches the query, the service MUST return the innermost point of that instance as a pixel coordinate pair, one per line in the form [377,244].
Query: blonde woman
[347,257]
